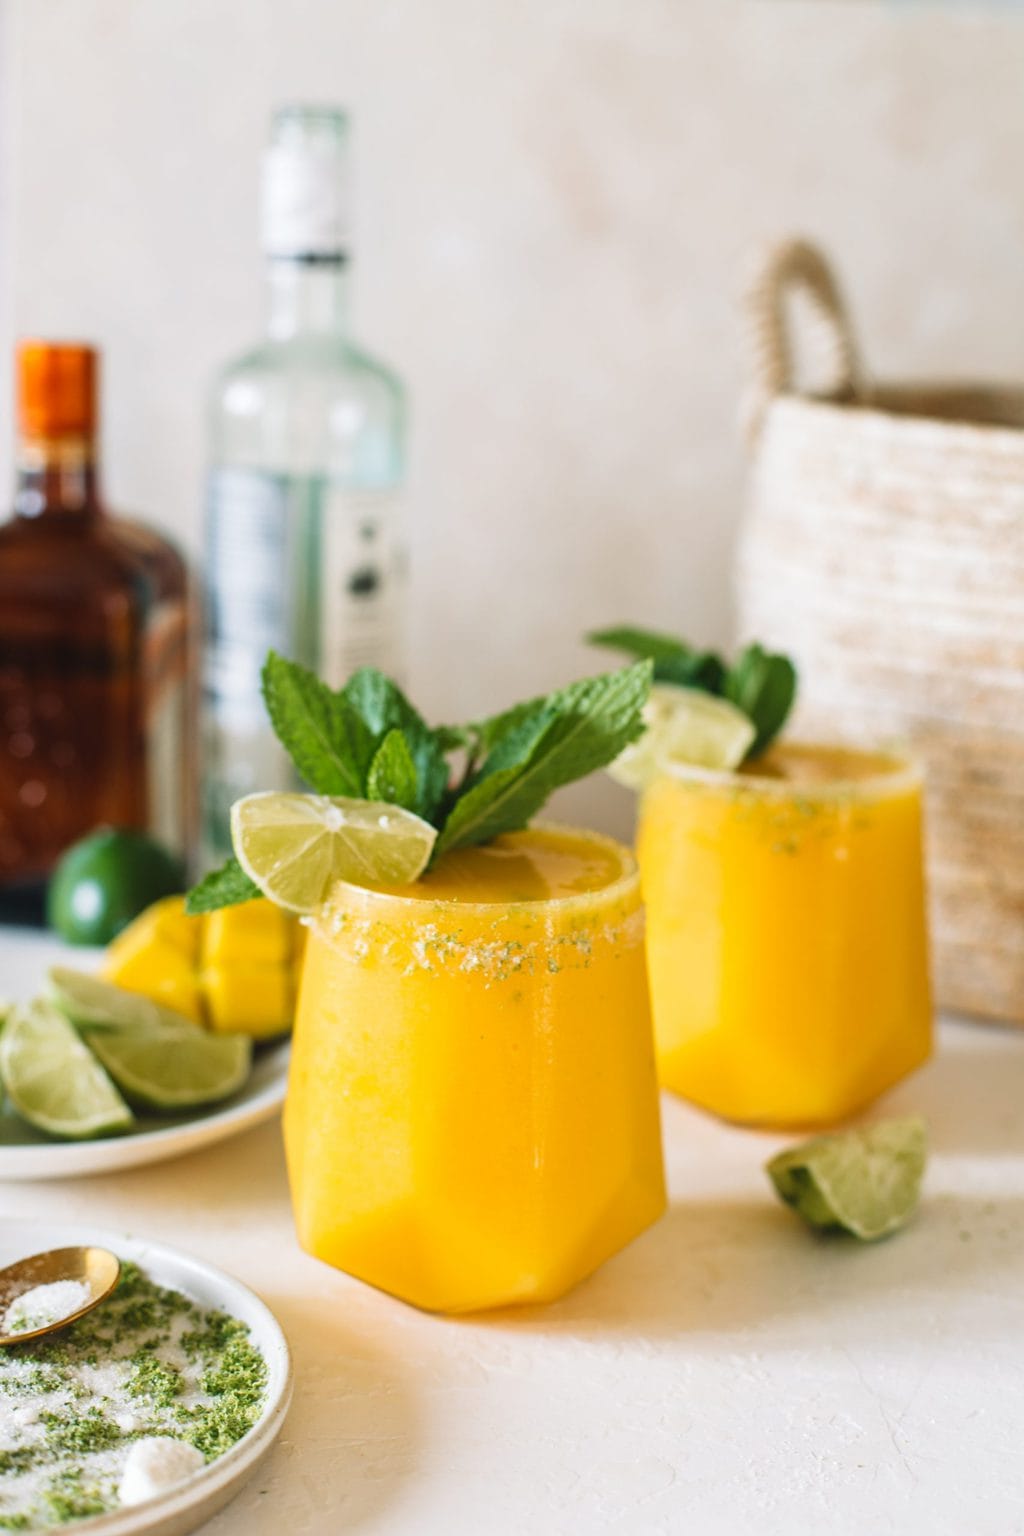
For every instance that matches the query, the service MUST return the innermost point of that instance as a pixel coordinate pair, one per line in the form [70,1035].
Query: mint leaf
[392,775]
[702,669]
[764,687]
[539,746]
[663,650]
[448,737]
[222,887]
[325,738]
[382,707]
[521,723]
[674,660]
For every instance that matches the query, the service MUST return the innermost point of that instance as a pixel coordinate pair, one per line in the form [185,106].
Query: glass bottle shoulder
[162,561]
[72,563]
[314,405]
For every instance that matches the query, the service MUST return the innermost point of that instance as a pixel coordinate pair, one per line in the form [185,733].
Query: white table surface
[727,1373]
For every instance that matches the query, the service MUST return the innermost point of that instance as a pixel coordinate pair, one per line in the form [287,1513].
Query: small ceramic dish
[187,1506]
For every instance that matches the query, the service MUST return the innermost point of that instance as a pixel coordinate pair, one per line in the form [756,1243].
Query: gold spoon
[95,1267]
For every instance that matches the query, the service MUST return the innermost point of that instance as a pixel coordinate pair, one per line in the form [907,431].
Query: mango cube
[255,999]
[254,931]
[156,955]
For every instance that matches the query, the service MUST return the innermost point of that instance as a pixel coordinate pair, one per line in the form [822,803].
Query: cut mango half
[235,971]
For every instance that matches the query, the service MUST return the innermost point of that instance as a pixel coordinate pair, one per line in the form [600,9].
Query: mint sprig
[367,741]
[760,683]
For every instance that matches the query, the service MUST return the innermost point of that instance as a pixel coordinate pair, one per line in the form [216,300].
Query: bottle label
[246,598]
[361,586]
[303,566]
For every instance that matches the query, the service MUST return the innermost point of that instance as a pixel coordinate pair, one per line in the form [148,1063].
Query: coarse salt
[155,1464]
[45,1305]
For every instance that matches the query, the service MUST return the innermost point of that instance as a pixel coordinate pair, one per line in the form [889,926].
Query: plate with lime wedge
[91,1089]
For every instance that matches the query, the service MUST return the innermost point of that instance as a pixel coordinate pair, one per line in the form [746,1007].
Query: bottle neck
[307,298]
[57,477]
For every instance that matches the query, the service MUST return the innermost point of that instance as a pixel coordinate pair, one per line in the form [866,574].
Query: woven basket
[884,549]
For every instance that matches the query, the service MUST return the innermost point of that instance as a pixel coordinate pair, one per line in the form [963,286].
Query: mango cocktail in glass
[472,1115]
[787,940]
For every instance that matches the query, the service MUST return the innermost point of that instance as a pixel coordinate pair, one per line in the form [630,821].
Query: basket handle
[782,269]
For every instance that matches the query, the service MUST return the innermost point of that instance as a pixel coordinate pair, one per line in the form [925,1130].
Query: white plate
[183,1508]
[25,957]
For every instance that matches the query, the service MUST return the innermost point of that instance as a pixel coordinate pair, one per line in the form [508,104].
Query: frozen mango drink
[786,939]
[472,1115]
[476,1044]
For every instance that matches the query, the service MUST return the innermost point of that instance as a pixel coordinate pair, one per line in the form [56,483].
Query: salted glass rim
[620,886]
[905,771]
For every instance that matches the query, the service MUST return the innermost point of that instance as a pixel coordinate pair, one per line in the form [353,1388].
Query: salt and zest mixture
[45,1305]
[534,902]
[147,1362]
[795,799]
[502,952]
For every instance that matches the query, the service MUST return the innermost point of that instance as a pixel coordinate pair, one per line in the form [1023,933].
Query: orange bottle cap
[56,389]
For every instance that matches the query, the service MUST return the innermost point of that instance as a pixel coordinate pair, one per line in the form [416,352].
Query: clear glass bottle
[304,551]
[95,645]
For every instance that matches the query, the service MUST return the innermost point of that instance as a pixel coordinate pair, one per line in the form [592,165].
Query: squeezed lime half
[866,1182]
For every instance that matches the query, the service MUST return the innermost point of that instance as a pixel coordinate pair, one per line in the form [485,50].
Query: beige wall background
[554,201]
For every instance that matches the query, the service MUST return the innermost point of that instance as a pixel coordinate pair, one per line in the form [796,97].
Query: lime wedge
[172,1066]
[53,1080]
[91,1003]
[684,725]
[296,846]
[866,1182]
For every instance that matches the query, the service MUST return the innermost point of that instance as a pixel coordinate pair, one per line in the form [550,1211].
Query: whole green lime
[105,880]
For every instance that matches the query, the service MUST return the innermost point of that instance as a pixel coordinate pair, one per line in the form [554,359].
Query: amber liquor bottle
[95,645]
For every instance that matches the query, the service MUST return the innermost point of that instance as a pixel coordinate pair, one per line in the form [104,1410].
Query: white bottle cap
[305,211]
